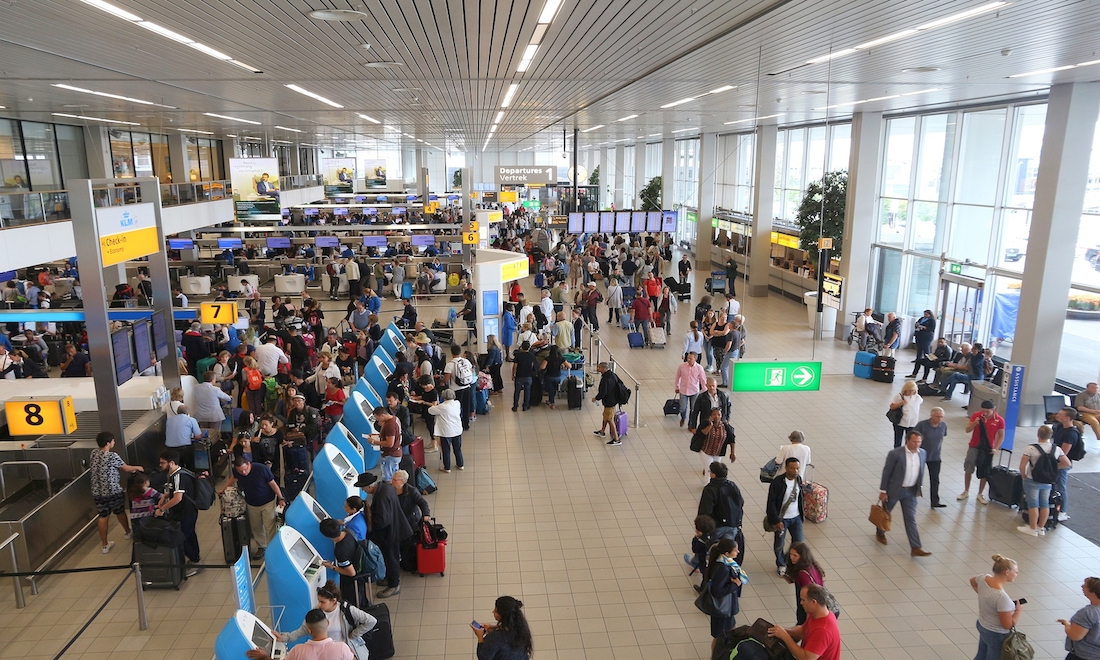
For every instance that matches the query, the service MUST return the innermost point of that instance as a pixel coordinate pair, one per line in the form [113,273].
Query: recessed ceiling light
[216,54]
[165,32]
[191,130]
[500,115]
[338,15]
[310,94]
[742,121]
[592,129]
[548,11]
[724,88]
[626,118]
[106,121]
[921,69]
[655,135]
[243,121]
[111,9]
[370,119]
[509,95]
[292,130]
[685,130]
[110,96]
[73,105]
[680,102]
[383,65]
[1053,69]
[245,66]
[831,56]
[407,89]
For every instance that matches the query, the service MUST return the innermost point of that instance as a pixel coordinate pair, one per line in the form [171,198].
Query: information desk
[244,632]
[305,515]
[333,479]
[294,573]
[233,282]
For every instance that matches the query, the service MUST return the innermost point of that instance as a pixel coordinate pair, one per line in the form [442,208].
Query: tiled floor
[590,536]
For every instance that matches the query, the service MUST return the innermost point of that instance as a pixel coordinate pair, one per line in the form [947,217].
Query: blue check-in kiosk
[386,357]
[294,573]
[371,395]
[244,632]
[305,515]
[333,479]
[392,340]
[376,371]
[363,456]
[359,421]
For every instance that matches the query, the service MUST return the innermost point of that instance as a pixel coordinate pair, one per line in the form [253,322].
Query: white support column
[620,175]
[668,171]
[1072,111]
[177,158]
[708,163]
[97,144]
[639,177]
[762,212]
[601,163]
[864,163]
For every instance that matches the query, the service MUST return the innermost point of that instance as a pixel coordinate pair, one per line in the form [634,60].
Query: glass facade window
[900,136]
[143,154]
[734,174]
[71,151]
[652,160]
[204,159]
[307,160]
[801,157]
[980,158]
[887,280]
[40,151]
[36,156]
[630,190]
[924,286]
[685,191]
[283,153]
[140,154]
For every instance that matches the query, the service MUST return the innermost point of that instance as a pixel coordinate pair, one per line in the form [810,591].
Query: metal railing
[20,600]
[4,486]
[293,182]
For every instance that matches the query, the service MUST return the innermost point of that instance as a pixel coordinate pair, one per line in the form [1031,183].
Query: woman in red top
[333,405]
[802,570]
[653,289]
[513,293]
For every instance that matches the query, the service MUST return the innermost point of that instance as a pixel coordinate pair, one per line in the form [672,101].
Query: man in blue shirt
[261,494]
[179,431]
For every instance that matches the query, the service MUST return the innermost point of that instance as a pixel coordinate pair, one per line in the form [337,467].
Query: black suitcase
[293,482]
[408,554]
[161,565]
[1055,509]
[882,369]
[379,639]
[685,291]
[1005,485]
[236,534]
[672,406]
[54,351]
[536,391]
[574,393]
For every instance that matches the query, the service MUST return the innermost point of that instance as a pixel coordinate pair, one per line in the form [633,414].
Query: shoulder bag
[894,414]
[880,517]
[768,527]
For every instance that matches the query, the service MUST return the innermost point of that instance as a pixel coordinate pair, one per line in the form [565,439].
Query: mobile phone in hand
[477,625]
[1022,601]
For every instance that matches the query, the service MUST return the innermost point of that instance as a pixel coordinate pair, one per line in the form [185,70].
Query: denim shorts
[1037,494]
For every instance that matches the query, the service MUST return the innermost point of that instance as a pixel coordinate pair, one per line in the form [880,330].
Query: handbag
[768,471]
[706,603]
[894,415]
[697,440]
[1016,647]
[297,437]
[880,517]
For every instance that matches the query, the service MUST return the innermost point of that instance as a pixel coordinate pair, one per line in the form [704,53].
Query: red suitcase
[416,450]
[431,559]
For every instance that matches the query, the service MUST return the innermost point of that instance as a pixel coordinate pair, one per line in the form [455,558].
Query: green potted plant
[821,214]
[594,178]
[651,195]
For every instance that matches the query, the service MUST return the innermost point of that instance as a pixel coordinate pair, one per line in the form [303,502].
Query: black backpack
[1077,451]
[1045,468]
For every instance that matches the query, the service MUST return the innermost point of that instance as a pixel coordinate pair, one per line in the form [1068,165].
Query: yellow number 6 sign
[218,312]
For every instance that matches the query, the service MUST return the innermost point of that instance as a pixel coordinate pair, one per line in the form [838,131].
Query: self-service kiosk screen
[341,463]
[301,554]
[384,369]
[262,639]
[319,512]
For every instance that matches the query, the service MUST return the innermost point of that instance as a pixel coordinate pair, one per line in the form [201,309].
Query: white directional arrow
[802,376]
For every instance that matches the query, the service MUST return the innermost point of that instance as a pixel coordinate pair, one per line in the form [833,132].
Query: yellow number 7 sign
[218,312]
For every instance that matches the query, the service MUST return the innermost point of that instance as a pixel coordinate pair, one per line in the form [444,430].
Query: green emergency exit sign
[956,269]
[776,376]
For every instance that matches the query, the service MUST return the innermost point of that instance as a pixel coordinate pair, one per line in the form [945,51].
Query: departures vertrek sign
[517,175]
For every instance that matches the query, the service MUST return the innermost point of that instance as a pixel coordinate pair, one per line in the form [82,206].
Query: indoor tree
[456,181]
[821,213]
[594,178]
[651,195]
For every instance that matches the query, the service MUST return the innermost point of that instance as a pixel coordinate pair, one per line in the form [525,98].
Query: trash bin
[828,321]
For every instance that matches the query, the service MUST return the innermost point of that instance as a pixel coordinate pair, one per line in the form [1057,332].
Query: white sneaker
[1063,516]
[1042,531]
[982,499]
[128,535]
[963,495]
[1025,529]
[107,548]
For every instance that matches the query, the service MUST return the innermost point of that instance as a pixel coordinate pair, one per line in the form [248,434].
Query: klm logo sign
[127,220]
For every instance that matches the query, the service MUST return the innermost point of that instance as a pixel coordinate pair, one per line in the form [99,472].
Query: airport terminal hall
[549,329]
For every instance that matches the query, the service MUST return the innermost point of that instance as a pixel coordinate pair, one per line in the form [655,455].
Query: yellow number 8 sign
[218,312]
[40,415]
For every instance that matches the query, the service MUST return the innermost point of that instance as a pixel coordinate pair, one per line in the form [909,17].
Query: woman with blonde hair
[909,402]
[997,613]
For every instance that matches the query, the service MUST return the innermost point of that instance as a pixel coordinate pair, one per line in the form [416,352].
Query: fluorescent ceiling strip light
[111,9]
[523,66]
[110,96]
[216,54]
[509,94]
[243,121]
[530,51]
[500,115]
[724,88]
[1040,71]
[549,10]
[655,134]
[685,130]
[232,135]
[165,32]
[680,102]
[922,91]
[292,130]
[245,66]
[370,119]
[106,121]
[191,130]
[624,140]
[742,121]
[878,98]
[831,56]
[310,94]
[887,39]
[592,129]
[540,32]
[626,118]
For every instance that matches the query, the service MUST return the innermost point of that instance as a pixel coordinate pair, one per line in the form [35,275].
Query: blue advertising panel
[242,581]
[1015,389]
[490,303]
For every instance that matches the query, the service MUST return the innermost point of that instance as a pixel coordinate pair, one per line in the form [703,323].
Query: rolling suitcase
[536,392]
[815,499]
[685,291]
[622,423]
[574,394]
[1005,485]
[379,639]
[408,554]
[882,370]
[635,338]
[416,450]
[624,320]
[481,402]
[293,482]
[657,338]
[236,534]
[672,406]
[161,565]
[865,360]
[431,558]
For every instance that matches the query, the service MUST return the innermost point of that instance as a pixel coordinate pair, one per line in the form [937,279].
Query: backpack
[622,393]
[439,362]
[369,561]
[204,490]
[1077,451]
[1045,468]
[464,373]
[255,380]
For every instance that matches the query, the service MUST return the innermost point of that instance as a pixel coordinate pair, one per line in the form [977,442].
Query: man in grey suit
[901,482]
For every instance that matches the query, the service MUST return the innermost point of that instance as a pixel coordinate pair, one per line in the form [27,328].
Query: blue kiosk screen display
[278,242]
[229,244]
[180,244]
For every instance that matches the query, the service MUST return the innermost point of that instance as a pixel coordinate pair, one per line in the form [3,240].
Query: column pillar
[708,163]
[97,144]
[639,176]
[177,159]
[620,176]
[864,163]
[1072,110]
[601,163]
[668,171]
[762,212]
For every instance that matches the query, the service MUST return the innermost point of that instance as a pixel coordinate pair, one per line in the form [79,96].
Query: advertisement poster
[255,186]
[338,175]
[375,173]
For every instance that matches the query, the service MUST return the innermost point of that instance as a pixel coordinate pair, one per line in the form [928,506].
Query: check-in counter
[292,284]
[234,283]
[195,285]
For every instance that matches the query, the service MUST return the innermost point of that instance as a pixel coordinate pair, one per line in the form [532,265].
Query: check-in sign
[776,376]
[524,174]
[126,232]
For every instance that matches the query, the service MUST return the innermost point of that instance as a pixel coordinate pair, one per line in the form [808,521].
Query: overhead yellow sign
[825,243]
[786,240]
[216,313]
[514,270]
[473,195]
[126,232]
[473,225]
[40,415]
[507,196]
[469,238]
[431,207]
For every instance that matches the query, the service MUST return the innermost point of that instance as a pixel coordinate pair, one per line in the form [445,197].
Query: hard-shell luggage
[672,406]
[540,280]
[408,554]
[624,320]
[55,350]
[407,290]
[161,565]
[635,338]
[685,291]
[574,393]
[865,360]
[1005,485]
[431,559]
[416,450]
[622,423]
[815,499]
[536,392]
[379,639]
[657,338]
[481,402]
[236,534]
[882,370]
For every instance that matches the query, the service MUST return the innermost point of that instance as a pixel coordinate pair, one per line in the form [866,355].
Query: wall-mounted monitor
[339,211]
[160,335]
[326,241]
[653,221]
[381,199]
[124,361]
[312,213]
[410,198]
[278,242]
[576,223]
[143,345]
[607,221]
[622,222]
[230,244]
[374,241]
[423,240]
[668,221]
[399,210]
[180,244]
[591,222]
[370,211]
[637,222]
[360,199]
[285,213]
